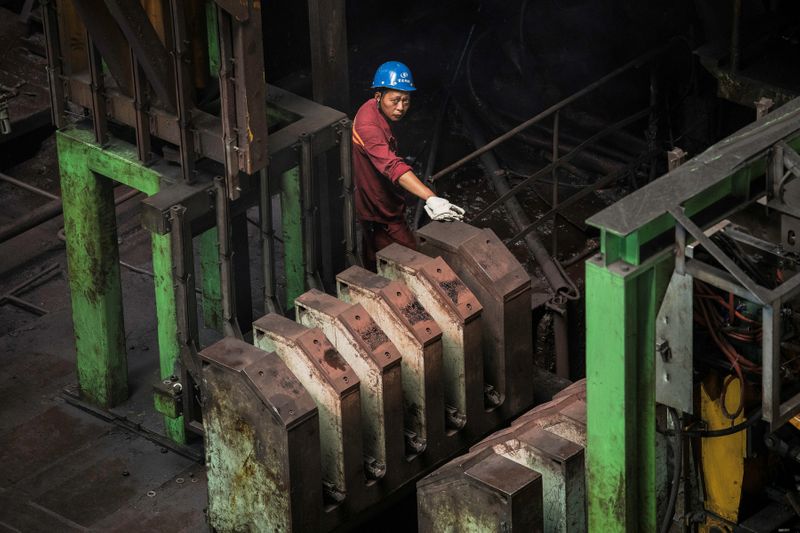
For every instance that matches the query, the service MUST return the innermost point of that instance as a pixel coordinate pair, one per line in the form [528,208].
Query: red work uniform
[380,206]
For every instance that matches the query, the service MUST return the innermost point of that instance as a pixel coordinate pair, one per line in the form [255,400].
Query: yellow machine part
[722,457]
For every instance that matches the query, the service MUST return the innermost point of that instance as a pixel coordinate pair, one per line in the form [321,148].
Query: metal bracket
[197,199]
[674,345]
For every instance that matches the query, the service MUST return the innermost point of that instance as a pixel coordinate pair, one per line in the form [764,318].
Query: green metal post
[93,258]
[622,301]
[212,34]
[82,161]
[168,347]
[209,272]
[292,221]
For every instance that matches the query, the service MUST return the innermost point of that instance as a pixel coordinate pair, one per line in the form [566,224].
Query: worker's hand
[440,209]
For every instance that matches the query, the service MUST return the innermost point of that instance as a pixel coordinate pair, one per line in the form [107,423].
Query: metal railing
[559,160]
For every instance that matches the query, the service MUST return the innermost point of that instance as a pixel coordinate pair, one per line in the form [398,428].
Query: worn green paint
[621,308]
[82,161]
[292,221]
[168,406]
[212,36]
[210,279]
[166,313]
[94,278]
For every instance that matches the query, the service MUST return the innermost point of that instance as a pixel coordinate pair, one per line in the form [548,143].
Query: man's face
[394,104]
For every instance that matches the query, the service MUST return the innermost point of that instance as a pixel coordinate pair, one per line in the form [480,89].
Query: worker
[380,175]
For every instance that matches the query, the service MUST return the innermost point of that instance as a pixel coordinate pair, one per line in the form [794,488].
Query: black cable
[676,476]
[709,433]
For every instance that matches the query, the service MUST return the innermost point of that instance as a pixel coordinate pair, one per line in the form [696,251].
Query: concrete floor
[62,468]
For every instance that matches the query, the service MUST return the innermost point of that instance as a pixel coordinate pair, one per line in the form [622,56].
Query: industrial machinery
[692,384]
[692,377]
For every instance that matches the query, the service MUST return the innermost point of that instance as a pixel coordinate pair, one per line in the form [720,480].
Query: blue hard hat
[393,75]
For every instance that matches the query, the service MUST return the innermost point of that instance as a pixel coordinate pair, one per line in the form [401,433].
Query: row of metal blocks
[528,477]
[325,416]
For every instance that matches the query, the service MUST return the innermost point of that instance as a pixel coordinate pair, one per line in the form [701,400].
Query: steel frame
[625,284]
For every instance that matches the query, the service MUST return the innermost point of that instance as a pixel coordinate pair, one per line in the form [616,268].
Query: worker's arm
[437,208]
[410,182]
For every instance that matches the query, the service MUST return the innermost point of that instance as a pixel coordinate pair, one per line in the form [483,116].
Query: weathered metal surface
[740,157]
[308,117]
[327,23]
[261,425]
[335,388]
[480,491]
[78,153]
[376,361]
[93,260]
[503,287]
[674,348]
[457,312]
[561,465]
[418,338]
[111,43]
[147,48]
[292,224]
[196,198]
[548,440]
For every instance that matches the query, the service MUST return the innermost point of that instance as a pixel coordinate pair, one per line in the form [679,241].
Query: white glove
[440,209]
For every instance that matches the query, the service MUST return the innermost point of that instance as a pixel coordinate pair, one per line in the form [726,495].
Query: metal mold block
[260,424]
[457,312]
[481,491]
[376,361]
[503,287]
[335,389]
[409,326]
[561,464]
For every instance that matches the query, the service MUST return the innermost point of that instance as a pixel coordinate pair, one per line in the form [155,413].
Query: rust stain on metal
[415,313]
[372,335]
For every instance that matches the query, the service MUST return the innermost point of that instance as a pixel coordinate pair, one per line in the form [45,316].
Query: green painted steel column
[168,347]
[90,228]
[292,222]
[210,279]
[119,162]
[622,301]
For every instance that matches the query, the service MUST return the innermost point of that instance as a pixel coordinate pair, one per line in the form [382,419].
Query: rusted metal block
[457,312]
[561,463]
[414,332]
[503,287]
[334,387]
[481,491]
[262,442]
[376,361]
[578,388]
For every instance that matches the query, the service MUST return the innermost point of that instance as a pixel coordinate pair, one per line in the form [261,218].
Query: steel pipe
[27,187]
[41,215]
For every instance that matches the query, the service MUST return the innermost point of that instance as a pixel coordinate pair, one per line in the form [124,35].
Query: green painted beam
[82,162]
[210,279]
[622,302]
[90,228]
[292,221]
